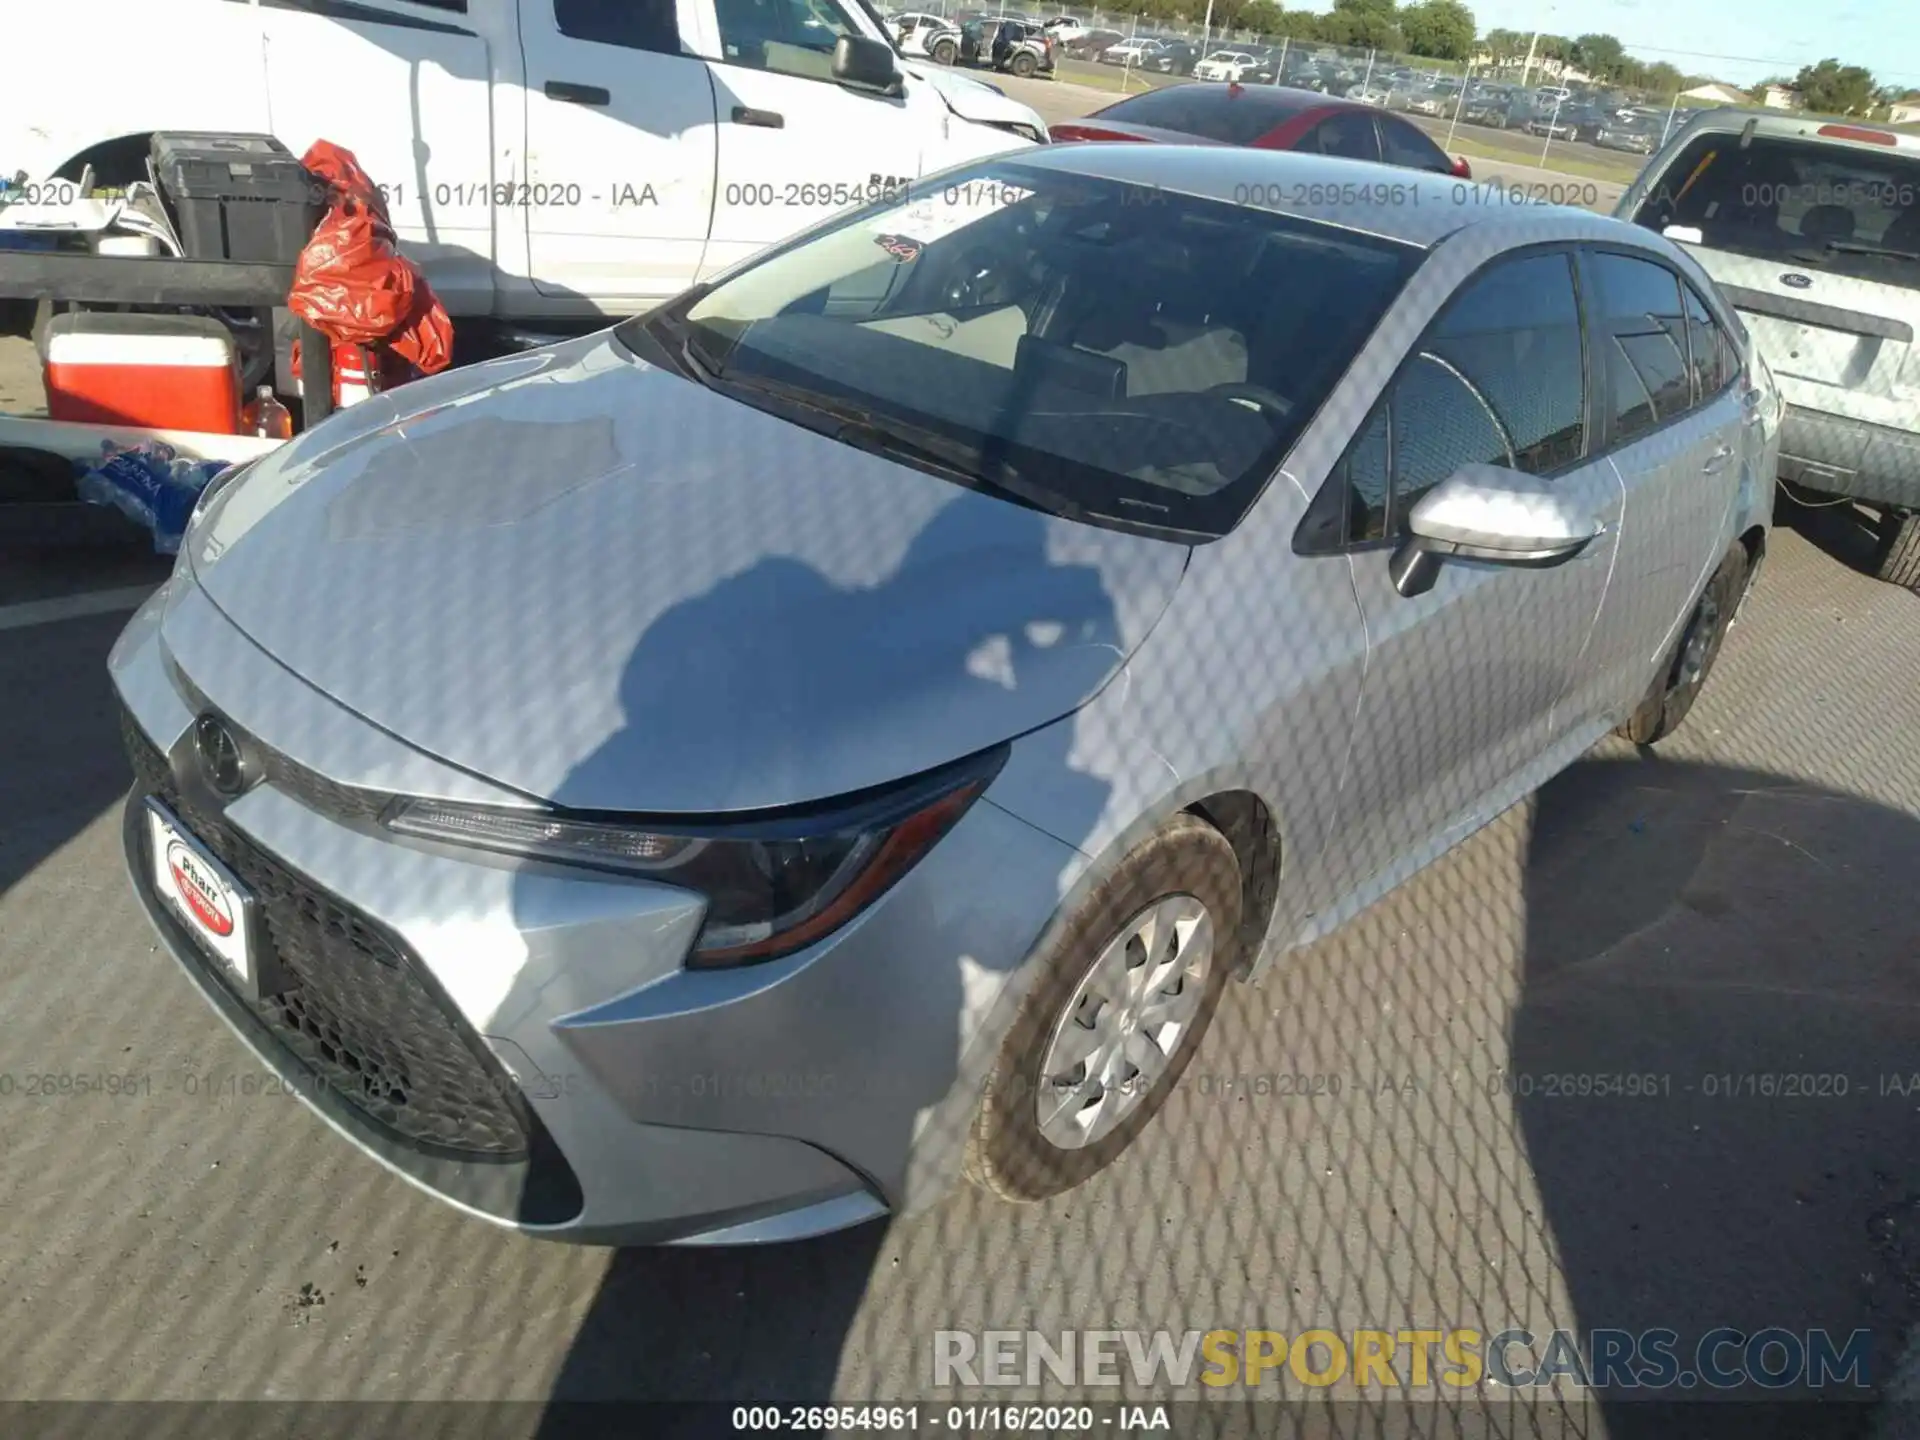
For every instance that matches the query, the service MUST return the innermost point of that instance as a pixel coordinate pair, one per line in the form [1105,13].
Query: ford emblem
[1796,280]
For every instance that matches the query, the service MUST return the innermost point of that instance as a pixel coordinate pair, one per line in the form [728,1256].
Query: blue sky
[1758,38]
[1763,37]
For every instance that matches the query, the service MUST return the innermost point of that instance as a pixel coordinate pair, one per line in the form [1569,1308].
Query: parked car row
[1019,47]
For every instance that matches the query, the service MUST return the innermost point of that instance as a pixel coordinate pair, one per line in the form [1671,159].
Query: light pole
[1206,28]
[1533,48]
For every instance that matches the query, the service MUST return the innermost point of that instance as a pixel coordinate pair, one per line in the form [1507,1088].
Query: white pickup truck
[541,158]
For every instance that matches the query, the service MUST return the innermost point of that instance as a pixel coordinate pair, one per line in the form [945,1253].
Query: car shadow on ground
[1713,1064]
[1842,529]
[60,734]
[1688,931]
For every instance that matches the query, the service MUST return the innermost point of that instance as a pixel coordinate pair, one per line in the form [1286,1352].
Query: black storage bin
[237,197]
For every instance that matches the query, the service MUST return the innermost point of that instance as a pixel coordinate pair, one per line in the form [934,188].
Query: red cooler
[161,372]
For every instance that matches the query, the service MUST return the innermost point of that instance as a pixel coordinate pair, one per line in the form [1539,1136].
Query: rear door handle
[765,119]
[1718,459]
[578,94]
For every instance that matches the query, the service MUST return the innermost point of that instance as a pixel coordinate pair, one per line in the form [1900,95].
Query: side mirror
[1494,515]
[865,64]
[1461,168]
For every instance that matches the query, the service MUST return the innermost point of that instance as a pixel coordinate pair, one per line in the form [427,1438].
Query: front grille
[358,1009]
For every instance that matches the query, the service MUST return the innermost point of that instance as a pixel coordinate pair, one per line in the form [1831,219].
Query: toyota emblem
[220,759]
[1796,280]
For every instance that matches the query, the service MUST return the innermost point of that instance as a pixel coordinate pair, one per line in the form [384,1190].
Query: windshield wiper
[1851,247]
[1860,247]
[865,429]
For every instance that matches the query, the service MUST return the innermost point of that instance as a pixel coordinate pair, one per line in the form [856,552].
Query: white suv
[1811,228]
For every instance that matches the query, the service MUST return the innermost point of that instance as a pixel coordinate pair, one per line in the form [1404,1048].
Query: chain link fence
[1517,110]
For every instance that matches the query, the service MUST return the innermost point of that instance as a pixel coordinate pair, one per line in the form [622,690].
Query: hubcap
[1698,653]
[1119,1030]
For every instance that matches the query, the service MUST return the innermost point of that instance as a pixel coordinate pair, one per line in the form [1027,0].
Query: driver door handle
[1717,461]
[765,119]
[578,94]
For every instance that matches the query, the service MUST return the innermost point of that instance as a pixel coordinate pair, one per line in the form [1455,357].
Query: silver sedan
[727,777]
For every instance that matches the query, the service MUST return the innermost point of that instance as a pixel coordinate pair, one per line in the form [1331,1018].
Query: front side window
[789,37]
[1054,337]
[1499,380]
[1643,344]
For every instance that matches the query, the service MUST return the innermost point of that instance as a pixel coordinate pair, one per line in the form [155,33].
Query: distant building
[1905,111]
[1780,97]
[1716,94]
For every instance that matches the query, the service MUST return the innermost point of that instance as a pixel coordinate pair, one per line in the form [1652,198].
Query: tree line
[1447,30]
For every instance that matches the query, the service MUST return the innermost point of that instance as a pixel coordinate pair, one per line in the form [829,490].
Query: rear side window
[1499,380]
[1715,358]
[1403,144]
[1643,344]
[1348,135]
[632,24]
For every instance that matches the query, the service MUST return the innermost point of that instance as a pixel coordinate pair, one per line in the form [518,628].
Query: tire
[1680,680]
[1185,864]
[945,53]
[1897,561]
[1022,65]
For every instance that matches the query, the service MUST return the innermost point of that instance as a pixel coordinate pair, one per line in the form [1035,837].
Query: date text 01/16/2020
[1399,193]
[524,194]
[961,1419]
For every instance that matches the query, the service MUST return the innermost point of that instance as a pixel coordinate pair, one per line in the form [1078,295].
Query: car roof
[1278,102]
[1310,186]
[1779,124]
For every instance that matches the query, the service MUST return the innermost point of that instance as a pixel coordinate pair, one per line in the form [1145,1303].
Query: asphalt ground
[1728,920]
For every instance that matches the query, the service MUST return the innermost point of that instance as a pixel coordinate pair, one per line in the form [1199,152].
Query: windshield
[1837,207]
[885,30]
[1144,361]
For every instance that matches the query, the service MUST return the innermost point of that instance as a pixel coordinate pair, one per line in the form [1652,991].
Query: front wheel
[1897,559]
[1124,993]
[945,52]
[1678,685]
[1022,65]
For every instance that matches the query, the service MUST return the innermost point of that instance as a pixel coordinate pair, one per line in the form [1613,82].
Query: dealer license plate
[201,891]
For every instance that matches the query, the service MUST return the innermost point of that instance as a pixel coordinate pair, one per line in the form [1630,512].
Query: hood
[974,100]
[603,585]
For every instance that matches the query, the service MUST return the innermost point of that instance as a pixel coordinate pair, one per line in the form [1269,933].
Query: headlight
[772,885]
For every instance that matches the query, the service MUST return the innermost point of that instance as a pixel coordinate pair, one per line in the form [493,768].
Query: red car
[1268,117]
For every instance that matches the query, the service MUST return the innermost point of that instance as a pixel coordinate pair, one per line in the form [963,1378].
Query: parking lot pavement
[1422,1121]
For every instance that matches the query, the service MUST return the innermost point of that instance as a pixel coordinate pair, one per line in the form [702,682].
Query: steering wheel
[974,280]
[1254,397]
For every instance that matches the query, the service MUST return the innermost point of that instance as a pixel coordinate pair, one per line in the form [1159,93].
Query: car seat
[1827,222]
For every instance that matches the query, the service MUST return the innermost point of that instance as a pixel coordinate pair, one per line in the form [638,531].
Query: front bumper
[1843,456]
[655,1104]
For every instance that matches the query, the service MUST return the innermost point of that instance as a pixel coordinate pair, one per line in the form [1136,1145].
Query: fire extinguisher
[356,372]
